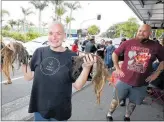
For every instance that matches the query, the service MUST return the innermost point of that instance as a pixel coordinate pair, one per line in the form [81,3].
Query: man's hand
[119,73]
[152,77]
[88,61]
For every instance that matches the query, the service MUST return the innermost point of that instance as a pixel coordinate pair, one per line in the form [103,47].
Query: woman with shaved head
[50,69]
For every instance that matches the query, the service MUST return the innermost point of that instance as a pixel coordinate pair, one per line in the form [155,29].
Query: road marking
[12,79]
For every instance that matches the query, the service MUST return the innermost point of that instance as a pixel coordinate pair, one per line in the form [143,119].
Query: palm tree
[67,21]
[56,3]
[19,22]
[60,11]
[72,6]
[26,12]
[3,13]
[12,23]
[40,5]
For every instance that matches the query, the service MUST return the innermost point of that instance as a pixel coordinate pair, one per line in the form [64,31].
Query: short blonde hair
[56,23]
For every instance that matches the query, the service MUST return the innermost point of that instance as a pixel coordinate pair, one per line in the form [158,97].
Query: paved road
[84,107]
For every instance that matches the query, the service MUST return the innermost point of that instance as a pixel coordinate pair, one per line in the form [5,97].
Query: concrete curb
[18,110]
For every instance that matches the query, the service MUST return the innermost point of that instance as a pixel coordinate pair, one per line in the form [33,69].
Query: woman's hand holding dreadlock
[89,60]
[80,74]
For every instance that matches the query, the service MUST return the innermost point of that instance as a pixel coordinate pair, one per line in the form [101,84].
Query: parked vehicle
[31,46]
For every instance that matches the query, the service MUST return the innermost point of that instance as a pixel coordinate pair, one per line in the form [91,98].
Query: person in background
[108,55]
[90,46]
[75,46]
[101,48]
[121,56]
[84,43]
[155,39]
[122,40]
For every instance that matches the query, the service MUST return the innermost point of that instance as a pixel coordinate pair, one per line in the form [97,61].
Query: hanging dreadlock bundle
[99,73]
[18,54]
[6,60]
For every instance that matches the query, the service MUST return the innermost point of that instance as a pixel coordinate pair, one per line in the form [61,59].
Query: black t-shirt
[100,52]
[52,85]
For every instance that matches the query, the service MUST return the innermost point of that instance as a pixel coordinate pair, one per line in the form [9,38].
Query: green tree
[57,4]
[72,6]
[103,34]
[127,28]
[40,5]
[67,21]
[111,32]
[93,30]
[159,32]
[60,11]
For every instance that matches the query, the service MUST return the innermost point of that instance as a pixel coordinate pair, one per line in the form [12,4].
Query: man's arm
[156,73]
[115,55]
[115,61]
[81,80]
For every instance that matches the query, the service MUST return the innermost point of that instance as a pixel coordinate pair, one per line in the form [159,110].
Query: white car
[31,46]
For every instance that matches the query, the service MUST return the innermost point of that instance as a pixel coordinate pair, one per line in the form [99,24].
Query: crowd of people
[138,62]
[133,62]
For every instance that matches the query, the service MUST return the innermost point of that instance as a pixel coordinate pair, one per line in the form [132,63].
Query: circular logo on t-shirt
[50,66]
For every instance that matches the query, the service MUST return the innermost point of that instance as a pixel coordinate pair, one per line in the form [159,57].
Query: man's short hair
[92,40]
[110,42]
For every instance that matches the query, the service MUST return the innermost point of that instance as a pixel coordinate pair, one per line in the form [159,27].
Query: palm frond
[73,6]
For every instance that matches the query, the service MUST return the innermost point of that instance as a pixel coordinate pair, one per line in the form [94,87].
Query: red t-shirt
[137,65]
[74,48]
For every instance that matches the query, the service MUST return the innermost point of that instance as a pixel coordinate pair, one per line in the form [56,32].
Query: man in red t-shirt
[136,70]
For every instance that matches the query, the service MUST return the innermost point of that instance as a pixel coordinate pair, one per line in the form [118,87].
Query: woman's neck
[58,49]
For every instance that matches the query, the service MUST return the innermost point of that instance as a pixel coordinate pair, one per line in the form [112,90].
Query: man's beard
[144,40]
